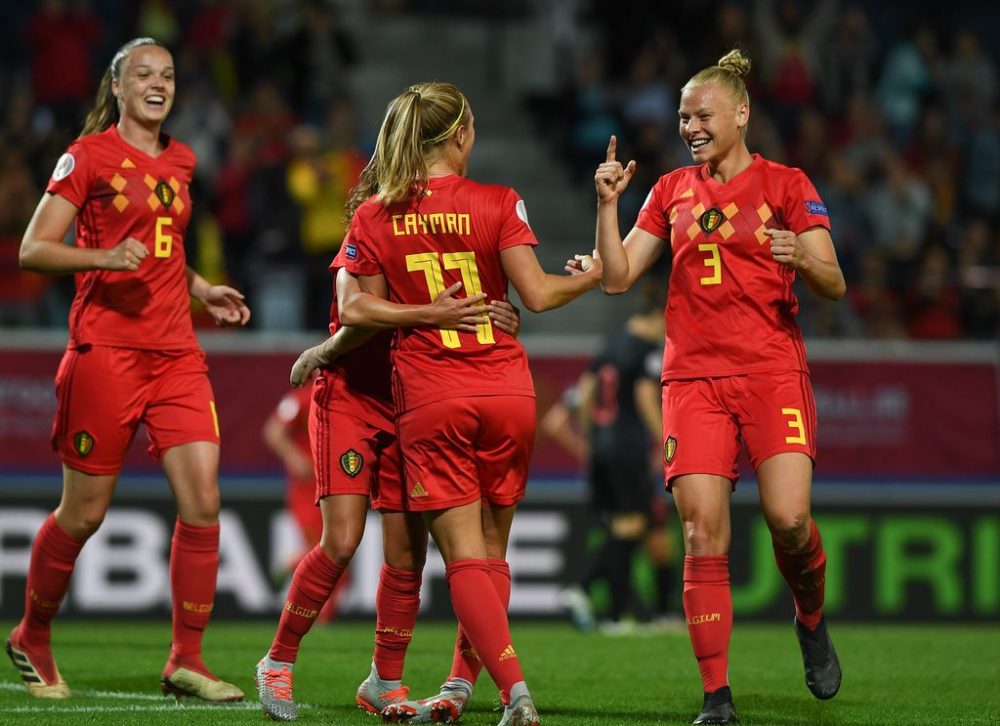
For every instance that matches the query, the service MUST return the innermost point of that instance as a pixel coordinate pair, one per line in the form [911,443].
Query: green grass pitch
[894,675]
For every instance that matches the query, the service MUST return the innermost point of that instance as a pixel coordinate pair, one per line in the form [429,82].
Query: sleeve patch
[522,212]
[350,251]
[64,167]
[816,208]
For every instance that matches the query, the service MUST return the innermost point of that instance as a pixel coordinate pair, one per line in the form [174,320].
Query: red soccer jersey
[730,307]
[121,192]
[452,233]
[359,383]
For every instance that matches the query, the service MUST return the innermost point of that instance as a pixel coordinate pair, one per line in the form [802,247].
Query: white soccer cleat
[274,688]
[520,713]
[374,694]
[445,707]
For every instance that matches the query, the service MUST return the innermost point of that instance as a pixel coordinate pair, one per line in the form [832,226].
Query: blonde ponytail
[415,124]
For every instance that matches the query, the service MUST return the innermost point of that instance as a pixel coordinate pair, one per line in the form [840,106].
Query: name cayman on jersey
[438,222]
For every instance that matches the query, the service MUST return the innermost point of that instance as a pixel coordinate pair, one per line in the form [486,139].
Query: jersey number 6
[430,263]
[164,240]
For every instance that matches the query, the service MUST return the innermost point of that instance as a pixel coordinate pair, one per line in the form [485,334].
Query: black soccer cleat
[820,660]
[718,708]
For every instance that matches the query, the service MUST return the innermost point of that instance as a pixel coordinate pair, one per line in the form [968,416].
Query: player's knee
[405,560]
[791,530]
[82,522]
[202,509]
[340,545]
[704,540]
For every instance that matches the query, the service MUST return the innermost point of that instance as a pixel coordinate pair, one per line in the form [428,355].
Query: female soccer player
[132,357]
[739,228]
[356,460]
[464,400]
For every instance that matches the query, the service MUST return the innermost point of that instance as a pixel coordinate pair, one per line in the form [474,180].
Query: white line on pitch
[135,709]
[162,705]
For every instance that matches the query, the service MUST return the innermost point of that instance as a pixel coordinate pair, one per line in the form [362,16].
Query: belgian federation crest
[83,443]
[351,462]
[669,449]
[164,193]
[710,220]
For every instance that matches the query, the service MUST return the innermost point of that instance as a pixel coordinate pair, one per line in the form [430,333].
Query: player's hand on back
[306,363]
[126,255]
[612,178]
[505,316]
[458,313]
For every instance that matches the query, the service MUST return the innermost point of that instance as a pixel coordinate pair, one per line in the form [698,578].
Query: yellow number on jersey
[714,262]
[795,424]
[164,240]
[465,262]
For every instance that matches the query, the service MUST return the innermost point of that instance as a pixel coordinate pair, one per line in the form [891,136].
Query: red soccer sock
[708,606]
[194,566]
[53,556]
[466,663]
[483,618]
[396,605]
[805,572]
[312,583]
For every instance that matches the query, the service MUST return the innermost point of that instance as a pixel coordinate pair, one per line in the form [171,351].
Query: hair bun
[736,62]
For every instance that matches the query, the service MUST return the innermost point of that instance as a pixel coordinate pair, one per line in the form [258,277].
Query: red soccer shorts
[462,449]
[705,420]
[351,456]
[104,393]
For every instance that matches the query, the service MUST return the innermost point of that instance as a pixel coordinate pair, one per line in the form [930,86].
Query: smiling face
[145,87]
[711,122]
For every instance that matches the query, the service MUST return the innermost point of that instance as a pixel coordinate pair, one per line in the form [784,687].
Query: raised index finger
[612,147]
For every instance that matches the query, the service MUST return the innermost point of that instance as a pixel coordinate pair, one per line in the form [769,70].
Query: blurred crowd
[891,111]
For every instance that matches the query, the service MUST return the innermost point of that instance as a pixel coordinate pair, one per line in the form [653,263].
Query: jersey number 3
[431,264]
[713,261]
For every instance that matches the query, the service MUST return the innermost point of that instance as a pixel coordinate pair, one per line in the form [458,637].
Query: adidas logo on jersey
[507,653]
[417,490]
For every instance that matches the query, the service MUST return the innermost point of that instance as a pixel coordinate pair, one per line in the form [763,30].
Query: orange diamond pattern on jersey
[177,204]
[765,213]
[118,184]
[726,229]
[696,212]
[127,163]
[686,193]
[151,200]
